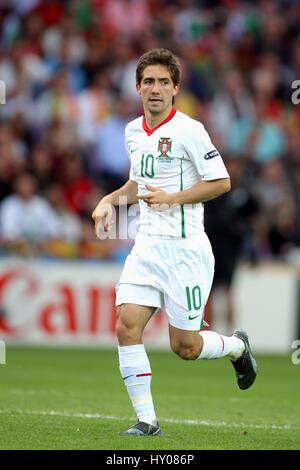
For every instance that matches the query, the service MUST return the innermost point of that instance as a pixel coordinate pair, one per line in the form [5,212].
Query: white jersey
[173,156]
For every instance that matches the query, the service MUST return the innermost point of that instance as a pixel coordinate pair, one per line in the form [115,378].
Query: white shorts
[174,274]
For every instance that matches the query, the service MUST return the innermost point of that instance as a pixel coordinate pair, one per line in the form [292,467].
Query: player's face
[157,89]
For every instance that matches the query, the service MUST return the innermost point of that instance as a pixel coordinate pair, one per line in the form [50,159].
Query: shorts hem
[137,302]
[186,327]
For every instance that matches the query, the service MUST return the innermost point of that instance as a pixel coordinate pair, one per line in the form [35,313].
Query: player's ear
[176,90]
[138,88]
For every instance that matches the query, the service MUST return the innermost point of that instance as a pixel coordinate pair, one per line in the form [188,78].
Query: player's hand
[102,217]
[156,198]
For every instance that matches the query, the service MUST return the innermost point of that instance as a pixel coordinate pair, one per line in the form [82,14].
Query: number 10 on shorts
[193,296]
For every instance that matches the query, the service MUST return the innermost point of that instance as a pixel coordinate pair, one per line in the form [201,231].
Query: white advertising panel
[63,302]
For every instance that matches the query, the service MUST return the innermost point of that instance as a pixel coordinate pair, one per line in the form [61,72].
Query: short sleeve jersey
[173,157]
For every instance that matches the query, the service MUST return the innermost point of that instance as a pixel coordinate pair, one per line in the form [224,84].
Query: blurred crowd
[69,70]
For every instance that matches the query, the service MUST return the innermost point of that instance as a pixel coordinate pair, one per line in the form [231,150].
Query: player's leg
[189,343]
[204,345]
[131,321]
[133,360]
[186,319]
[188,291]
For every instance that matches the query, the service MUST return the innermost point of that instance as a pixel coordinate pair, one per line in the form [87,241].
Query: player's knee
[122,329]
[187,353]
[125,330]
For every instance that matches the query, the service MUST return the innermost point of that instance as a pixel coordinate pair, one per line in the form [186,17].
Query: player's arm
[200,192]
[102,214]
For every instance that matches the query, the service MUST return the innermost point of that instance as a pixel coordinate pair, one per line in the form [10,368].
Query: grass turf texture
[75,399]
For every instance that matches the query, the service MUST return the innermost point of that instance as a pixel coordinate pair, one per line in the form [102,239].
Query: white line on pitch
[193,422]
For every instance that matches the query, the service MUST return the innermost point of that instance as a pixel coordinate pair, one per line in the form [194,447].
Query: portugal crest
[164,147]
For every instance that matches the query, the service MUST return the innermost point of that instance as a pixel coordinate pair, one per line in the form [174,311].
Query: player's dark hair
[159,57]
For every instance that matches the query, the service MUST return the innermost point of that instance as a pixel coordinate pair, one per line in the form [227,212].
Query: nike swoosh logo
[134,150]
[127,377]
[192,318]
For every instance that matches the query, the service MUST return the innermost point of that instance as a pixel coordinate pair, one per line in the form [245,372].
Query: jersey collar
[168,118]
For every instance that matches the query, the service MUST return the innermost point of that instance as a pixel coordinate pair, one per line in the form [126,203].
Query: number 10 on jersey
[147,166]
[193,296]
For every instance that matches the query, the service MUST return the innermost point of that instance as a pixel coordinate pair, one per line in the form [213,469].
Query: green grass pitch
[75,399]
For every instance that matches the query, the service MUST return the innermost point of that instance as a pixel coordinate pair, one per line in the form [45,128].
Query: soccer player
[174,169]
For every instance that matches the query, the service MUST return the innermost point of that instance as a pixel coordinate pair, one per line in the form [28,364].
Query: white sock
[136,372]
[216,346]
